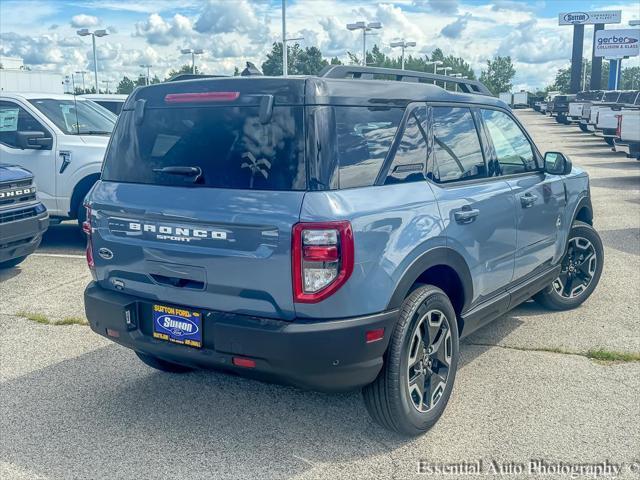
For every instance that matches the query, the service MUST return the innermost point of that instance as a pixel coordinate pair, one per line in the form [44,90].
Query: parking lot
[74,405]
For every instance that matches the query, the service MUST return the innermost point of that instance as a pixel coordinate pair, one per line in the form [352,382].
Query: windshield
[611,96]
[79,117]
[627,97]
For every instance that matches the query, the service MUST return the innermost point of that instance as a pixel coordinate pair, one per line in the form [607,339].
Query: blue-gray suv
[332,232]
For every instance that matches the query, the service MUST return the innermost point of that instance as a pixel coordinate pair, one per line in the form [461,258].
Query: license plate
[177,325]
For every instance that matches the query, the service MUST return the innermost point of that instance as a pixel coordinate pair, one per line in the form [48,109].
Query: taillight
[86,228]
[322,257]
[619,127]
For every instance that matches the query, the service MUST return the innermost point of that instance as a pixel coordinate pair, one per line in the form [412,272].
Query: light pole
[147,67]
[402,44]
[82,72]
[193,52]
[365,27]
[285,50]
[446,69]
[83,32]
[457,75]
[107,83]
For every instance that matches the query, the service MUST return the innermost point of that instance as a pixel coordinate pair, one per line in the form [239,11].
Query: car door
[15,118]
[477,211]
[539,197]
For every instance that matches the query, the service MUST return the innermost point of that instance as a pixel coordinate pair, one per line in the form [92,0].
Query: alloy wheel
[429,360]
[578,268]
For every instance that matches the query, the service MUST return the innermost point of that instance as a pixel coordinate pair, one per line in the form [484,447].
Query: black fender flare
[584,202]
[431,258]
[80,191]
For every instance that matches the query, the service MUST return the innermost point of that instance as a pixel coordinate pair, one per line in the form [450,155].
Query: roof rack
[394,74]
[192,76]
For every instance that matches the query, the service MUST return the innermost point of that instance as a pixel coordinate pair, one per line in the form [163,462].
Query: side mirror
[556,163]
[34,141]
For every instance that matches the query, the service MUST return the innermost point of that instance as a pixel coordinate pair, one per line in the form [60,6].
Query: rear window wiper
[195,172]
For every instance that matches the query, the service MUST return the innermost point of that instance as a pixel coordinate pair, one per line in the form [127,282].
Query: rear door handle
[466,214]
[528,200]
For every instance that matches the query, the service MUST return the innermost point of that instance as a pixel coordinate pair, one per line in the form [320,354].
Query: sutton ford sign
[589,18]
[617,43]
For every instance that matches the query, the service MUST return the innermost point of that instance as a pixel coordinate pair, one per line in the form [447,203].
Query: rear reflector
[374,335]
[201,97]
[113,333]
[244,362]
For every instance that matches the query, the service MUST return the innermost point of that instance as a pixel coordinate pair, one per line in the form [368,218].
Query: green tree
[125,86]
[562,82]
[457,64]
[335,61]
[236,72]
[498,75]
[300,61]
[186,68]
[630,78]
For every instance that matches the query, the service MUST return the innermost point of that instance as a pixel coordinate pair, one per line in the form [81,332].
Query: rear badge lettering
[165,232]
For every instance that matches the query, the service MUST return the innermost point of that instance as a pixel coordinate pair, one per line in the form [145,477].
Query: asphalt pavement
[74,405]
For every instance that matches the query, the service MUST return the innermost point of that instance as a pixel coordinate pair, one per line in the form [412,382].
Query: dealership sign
[590,18]
[617,43]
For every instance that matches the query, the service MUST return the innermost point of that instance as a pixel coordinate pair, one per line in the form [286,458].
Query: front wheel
[580,271]
[609,141]
[584,128]
[415,383]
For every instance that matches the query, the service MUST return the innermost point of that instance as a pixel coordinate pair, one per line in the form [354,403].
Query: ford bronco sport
[331,232]
[23,219]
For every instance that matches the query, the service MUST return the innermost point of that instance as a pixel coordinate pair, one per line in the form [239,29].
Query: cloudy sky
[233,31]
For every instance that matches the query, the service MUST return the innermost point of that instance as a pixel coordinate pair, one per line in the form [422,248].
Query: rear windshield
[229,145]
[610,96]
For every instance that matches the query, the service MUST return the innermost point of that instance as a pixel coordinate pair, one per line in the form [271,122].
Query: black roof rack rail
[192,76]
[379,73]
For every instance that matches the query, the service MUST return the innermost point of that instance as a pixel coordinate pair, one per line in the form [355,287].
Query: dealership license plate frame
[180,321]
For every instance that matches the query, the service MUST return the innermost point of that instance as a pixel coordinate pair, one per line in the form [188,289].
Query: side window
[514,153]
[364,137]
[457,154]
[14,119]
[409,160]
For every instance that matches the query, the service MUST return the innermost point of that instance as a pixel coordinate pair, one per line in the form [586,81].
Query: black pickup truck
[559,107]
[23,219]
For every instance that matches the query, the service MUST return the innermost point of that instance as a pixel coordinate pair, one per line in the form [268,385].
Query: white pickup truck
[590,110]
[628,133]
[607,116]
[576,107]
[61,139]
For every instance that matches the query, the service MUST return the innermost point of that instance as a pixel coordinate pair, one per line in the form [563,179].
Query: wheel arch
[583,211]
[443,268]
[80,191]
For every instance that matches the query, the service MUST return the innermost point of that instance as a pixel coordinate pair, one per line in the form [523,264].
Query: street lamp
[193,52]
[445,69]
[456,75]
[107,83]
[402,44]
[147,67]
[365,27]
[82,72]
[83,32]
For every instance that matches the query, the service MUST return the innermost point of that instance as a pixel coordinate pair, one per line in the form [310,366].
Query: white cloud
[83,21]
[455,29]
[157,31]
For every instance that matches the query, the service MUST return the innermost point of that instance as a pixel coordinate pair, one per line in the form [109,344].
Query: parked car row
[612,115]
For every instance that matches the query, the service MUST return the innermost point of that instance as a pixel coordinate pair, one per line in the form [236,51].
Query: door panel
[487,240]
[539,205]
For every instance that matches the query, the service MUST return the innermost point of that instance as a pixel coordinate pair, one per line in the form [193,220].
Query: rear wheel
[584,128]
[12,263]
[580,273]
[415,383]
[609,141]
[162,365]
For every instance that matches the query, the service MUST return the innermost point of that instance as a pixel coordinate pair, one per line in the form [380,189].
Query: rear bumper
[22,237]
[326,355]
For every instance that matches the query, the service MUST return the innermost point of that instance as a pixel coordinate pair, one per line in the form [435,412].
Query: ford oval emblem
[105,253]
[178,326]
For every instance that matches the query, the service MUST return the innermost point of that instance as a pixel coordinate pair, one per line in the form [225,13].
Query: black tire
[388,399]
[609,141]
[162,365]
[12,263]
[554,297]
[583,127]
[81,214]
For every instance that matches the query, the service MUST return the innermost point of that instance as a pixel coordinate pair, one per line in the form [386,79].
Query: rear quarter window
[364,137]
